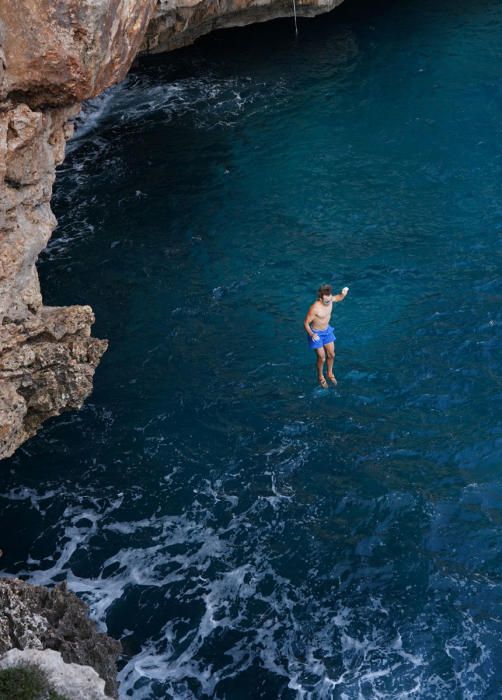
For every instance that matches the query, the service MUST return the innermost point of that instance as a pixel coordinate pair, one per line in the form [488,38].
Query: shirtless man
[321,336]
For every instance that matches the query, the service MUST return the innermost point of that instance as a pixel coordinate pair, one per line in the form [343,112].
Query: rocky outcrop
[60,52]
[34,617]
[53,55]
[47,357]
[68,680]
[177,23]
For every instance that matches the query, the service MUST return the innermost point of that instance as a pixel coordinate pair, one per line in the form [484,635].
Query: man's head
[324,293]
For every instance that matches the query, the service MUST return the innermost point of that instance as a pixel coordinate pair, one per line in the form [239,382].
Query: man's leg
[330,359]
[321,357]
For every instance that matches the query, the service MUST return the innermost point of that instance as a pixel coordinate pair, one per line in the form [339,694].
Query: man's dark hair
[324,289]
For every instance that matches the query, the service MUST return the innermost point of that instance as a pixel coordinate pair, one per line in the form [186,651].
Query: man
[321,336]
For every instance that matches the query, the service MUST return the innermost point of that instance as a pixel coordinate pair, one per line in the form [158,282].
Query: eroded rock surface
[177,23]
[59,52]
[47,357]
[53,55]
[68,680]
[35,617]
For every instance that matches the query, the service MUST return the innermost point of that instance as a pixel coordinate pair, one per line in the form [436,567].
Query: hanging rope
[294,15]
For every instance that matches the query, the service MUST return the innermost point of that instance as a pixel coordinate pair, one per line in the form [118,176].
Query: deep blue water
[247,534]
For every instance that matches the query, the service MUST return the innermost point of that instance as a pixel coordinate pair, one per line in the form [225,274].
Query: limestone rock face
[47,357]
[53,55]
[58,52]
[38,618]
[69,680]
[177,23]
[48,370]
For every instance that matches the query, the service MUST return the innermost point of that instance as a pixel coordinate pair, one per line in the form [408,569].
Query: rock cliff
[53,55]
[67,680]
[47,357]
[34,617]
[176,23]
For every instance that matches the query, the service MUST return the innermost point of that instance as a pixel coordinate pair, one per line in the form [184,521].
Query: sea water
[243,532]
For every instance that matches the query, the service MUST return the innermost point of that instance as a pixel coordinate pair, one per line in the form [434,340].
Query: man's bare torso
[322,315]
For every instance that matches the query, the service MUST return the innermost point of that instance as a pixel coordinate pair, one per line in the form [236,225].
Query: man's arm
[308,320]
[342,295]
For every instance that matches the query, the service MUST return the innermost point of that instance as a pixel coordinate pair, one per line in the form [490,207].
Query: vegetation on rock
[26,682]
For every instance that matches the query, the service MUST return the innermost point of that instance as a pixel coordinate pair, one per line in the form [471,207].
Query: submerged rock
[39,618]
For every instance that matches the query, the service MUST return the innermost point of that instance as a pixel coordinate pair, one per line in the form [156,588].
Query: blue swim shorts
[325,337]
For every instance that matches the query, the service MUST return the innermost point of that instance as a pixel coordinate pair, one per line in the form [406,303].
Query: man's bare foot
[323,382]
[332,379]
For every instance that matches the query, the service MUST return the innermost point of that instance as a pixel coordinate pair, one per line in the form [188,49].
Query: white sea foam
[93,112]
[319,646]
[36,499]
[212,101]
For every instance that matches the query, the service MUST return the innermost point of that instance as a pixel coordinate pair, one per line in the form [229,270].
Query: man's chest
[323,312]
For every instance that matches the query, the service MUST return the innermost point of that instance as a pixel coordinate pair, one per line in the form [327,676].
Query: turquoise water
[246,534]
